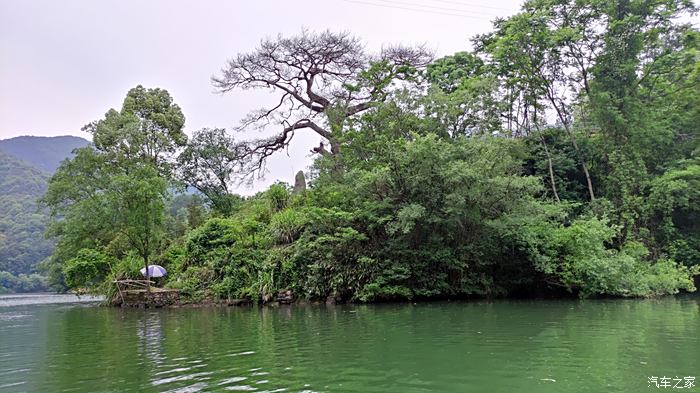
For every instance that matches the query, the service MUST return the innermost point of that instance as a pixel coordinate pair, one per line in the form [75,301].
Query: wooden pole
[120,291]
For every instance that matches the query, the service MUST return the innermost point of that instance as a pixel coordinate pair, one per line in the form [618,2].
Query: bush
[430,218]
[87,270]
[287,225]
[581,261]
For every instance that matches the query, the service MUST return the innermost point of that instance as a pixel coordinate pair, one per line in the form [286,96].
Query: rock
[266,298]
[143,299]
[299,183]
[238,302]
[285,297]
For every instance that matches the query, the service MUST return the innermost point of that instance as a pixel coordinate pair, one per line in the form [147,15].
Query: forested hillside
[22,221]
[561,156]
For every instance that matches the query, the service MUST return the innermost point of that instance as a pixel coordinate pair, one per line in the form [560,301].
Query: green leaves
[448,178]
[87,270]
[287,225]
[406,219]
[209,163]
[149,128]
[111,196]
[578,257]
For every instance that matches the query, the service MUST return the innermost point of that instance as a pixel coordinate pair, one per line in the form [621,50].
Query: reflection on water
[534,346]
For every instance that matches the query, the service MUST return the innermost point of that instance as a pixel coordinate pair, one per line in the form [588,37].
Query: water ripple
[446,347]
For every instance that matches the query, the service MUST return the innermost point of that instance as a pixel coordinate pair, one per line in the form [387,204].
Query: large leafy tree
[110,196]
[148,129]
[464,95]
[543,57]
[646,64]
[211,162]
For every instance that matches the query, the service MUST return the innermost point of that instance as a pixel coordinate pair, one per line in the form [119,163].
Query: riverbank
[172,298]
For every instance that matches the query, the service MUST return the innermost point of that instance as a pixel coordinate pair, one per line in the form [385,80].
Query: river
[500,346]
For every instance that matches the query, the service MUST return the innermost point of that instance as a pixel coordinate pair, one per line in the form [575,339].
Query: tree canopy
[559,157]
[111,196]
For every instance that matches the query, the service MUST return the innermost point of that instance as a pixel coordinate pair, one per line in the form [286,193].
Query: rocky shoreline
[170,298]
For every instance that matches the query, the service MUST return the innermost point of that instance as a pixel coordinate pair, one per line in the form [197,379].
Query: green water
[533,346]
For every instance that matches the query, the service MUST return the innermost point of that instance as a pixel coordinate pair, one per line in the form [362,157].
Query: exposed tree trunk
[551,169]
[582,160]
[549,156]
[551,96]
[148,273]
[583,163]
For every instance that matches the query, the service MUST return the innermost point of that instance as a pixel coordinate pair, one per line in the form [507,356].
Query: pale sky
[65,63]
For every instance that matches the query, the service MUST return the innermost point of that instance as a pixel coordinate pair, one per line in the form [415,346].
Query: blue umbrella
[154,271]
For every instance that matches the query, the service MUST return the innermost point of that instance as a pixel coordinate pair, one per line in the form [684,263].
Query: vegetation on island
[560,156]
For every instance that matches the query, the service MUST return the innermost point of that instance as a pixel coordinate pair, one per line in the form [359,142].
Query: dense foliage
[21,226]
[112,194]
[23,178]
[561,156]
[22,244]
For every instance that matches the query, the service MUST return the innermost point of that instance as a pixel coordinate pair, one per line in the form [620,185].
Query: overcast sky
[65,63]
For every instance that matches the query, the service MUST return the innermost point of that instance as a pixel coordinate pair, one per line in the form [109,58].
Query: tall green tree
[148,129]
[110,196]
[532,52]
[464,95]
[211,162]
[636,73]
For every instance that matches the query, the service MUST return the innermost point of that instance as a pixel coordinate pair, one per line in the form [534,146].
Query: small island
[519,169]
[252,201]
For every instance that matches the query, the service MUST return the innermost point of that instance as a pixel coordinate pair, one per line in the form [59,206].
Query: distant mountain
[26,164]
[42,152]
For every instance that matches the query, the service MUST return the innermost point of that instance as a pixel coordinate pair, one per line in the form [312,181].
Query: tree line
[560,156]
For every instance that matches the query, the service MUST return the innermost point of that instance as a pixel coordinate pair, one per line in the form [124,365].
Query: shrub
[87,270]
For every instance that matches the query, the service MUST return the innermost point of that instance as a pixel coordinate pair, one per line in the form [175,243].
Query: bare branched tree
[323,79]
